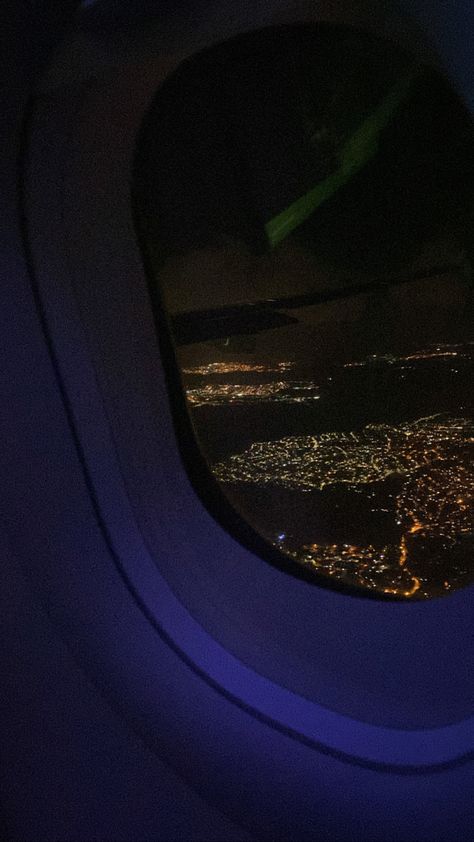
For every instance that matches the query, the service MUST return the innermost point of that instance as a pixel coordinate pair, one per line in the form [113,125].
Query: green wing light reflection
[357,151]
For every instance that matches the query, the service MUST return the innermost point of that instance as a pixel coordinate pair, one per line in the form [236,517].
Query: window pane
[304,200]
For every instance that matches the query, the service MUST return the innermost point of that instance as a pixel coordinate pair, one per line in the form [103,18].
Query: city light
[231,367]
[284,391]
[438,352]
[416,477]
[432,458]
[370,455]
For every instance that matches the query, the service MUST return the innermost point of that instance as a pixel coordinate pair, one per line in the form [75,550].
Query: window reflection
[305,198]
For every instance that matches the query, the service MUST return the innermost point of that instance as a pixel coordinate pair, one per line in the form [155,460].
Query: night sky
[239,132]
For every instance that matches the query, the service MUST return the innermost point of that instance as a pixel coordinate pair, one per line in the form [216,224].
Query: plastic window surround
[373,745]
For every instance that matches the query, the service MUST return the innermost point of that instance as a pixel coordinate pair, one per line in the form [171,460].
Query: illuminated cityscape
[286,391]
[450,352]
[231,367]
[368,567]
[405,489]
[371,455]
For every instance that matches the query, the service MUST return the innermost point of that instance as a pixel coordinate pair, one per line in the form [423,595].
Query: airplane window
[303,197]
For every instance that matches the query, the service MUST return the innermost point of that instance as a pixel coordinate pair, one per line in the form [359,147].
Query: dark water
[375,394]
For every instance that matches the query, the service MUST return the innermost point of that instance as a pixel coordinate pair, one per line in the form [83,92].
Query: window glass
[304,202]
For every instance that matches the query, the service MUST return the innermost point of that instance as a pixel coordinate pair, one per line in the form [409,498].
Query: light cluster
[441,351]
[439,502]
[431,456]
[427,462]
[231,367]
[371,455]
[283,391]
[368,567]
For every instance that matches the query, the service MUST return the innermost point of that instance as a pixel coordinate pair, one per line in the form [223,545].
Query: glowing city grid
[430,457]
